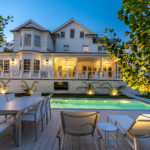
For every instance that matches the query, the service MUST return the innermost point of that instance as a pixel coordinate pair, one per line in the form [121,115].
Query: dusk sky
[94,14]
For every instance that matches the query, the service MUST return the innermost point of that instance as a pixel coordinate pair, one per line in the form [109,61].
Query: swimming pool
[99,104]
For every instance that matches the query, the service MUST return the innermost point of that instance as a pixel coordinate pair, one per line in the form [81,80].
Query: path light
[114,92]
[90,92]
[3,91]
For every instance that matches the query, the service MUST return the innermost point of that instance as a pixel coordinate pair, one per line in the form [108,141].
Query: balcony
[64,75]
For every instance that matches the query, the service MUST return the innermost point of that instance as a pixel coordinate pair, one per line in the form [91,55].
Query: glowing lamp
[3,91]
[114,92]
[90,92]
[30,91]
[12,61]
[47,62]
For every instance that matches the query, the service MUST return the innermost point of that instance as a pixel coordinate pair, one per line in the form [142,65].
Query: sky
[94,14]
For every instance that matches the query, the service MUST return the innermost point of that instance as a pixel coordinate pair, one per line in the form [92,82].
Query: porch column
[76,67]
[101,73]
[53,73]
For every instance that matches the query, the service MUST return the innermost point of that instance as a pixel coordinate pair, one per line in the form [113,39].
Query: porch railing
[74,75]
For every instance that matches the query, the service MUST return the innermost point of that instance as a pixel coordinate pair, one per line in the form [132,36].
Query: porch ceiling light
[47,61]
[66,61]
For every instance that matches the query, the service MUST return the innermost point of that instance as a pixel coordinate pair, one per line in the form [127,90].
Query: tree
[135,64]
[3,23]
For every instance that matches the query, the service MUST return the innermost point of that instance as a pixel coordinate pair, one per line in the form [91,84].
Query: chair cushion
[124,120]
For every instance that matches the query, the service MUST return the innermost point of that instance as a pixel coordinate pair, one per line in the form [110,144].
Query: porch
[73,68]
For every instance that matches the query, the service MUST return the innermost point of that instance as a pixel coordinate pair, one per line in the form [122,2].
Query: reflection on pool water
[99,104]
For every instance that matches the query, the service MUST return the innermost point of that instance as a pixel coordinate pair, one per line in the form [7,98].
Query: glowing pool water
[99,104]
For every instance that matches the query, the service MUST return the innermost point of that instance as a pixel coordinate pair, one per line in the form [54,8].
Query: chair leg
[47,117]
[42,124]
[99,143]
[35,131]
[50,112]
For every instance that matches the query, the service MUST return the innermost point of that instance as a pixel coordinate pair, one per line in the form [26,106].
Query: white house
[68,54]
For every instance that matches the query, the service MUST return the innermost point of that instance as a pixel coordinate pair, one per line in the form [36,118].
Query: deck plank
[47,140]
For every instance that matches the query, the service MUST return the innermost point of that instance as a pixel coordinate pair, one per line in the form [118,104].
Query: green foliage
[3,23]
[135,65]
[110,87]
[29,89]
[4,84]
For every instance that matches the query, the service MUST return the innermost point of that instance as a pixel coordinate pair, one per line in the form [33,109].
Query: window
[82,34]
[101,48]
[26,64]
[1,64]
[36,65]
[6,65]
[27,40]
[72,31]
[20,41]
[37,41]
[66,48]
[85,48]
[62,34]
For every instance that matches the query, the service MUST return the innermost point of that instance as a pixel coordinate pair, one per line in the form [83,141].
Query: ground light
[114,92]
[90,92]
[3,91]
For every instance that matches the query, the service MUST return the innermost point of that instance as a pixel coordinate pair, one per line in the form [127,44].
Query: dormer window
[27,40]
[37,41]
[62,34]
[85,48]
[72,32]
[81,34]
[102,48]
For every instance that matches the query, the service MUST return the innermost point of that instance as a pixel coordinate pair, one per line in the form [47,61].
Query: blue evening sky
[94,14]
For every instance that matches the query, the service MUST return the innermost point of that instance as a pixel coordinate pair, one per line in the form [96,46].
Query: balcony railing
[72,75]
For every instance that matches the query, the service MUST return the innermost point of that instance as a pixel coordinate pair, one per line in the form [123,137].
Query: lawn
[75,95]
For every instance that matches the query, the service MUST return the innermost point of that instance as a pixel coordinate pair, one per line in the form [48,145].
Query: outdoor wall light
[47,61]
[12,61]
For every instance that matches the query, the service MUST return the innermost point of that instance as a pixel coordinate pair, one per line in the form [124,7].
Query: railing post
[114,75]
[57,74]
[86,75]
[11,73]
[77,74]
[67,75]
[21,73]
[105,75]
[39,74]
[30,74]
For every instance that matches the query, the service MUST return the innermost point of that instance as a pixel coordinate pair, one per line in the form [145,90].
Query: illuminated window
[6,65]
[27,40]
[101,48]
[36,65]
[85,48]
[1,64]
[37,41]
[26,64]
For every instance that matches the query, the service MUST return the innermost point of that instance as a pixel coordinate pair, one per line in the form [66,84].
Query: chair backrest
[3,98]
[79,123]
[141,127]
[10,97]
[36,94]
[39,109]
[44,105]
[49,97]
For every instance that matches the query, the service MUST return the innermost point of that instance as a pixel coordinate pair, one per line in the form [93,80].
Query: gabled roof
[30,24]
[75,21]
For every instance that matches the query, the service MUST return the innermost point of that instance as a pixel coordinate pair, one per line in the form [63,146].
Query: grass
[75,95]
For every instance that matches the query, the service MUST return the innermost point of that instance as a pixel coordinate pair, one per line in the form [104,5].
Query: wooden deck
[47,140]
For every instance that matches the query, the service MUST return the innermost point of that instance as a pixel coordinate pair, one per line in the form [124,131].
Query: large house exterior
[69,54]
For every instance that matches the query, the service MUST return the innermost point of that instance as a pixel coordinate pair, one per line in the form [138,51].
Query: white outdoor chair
[34,115]
[132,129]
[6,123]
[49,104]
[10,97]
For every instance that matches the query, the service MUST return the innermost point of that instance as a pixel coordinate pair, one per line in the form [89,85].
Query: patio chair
[6,123]
[10,97]
[34,115]
[132,129]
[79,124]
[49,104]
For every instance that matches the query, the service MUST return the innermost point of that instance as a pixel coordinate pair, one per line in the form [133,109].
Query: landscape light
[3,91]
[114,92]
